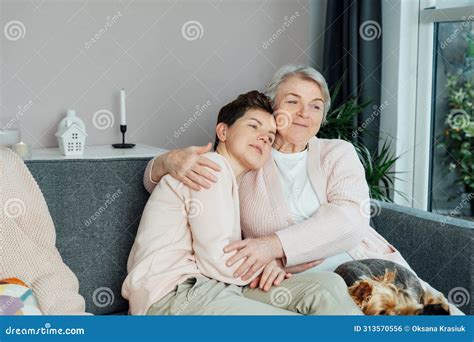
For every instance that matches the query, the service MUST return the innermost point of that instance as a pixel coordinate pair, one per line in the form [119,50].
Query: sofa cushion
[438,248]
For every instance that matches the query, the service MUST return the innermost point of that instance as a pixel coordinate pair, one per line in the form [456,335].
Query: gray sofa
[96,206]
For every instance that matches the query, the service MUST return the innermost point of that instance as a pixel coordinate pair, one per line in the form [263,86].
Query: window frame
[417,125]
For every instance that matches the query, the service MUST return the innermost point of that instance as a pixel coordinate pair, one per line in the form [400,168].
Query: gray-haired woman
[308,203]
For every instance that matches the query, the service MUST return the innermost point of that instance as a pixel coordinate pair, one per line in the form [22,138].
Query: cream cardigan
[183,233]
[28,238]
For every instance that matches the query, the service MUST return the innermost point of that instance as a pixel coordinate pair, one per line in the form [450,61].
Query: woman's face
[299,110]
[250,138]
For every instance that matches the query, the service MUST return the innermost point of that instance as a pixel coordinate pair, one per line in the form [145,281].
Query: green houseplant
[378,164]
[458,135]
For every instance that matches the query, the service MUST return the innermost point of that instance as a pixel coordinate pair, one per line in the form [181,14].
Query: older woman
[309,200]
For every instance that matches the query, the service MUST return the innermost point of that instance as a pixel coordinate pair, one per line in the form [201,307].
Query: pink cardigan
[339,224]
[182,233]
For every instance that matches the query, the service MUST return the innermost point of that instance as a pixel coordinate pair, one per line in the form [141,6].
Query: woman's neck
[236,166]
[286,147]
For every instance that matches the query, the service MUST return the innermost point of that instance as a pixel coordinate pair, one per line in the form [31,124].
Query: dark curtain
[353,55]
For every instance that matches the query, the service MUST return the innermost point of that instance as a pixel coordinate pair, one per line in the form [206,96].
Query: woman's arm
[335,227]
[186,165]
[214,219]
[154,172]
[339,224]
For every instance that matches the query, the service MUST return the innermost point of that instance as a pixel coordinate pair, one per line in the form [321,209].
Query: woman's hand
[272,274]
[288,270]
[191,168]
[302,267]
[257,253]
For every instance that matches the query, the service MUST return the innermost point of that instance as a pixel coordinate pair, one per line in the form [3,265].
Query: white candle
[123,120]
[21,149]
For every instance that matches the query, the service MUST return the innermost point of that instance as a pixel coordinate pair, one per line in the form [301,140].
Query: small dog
[382,287]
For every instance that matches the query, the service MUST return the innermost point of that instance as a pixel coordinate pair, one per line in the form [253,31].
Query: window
[451,174]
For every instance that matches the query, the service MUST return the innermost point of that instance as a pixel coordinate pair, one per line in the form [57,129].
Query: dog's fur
[382,287]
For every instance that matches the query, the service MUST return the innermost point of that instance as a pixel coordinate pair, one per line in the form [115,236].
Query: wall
[79,54]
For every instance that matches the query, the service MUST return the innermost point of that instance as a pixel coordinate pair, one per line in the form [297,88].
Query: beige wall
[78,54]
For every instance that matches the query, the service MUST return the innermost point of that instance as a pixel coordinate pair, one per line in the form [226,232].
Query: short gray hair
[303,72]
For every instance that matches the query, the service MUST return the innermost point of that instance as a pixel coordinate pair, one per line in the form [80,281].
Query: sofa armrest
[438,248]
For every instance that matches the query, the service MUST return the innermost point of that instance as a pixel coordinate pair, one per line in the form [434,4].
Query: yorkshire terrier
[382,287]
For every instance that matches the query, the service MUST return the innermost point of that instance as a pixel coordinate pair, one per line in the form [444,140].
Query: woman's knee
[328,297]
[337,282]
[329,280]
[334,285]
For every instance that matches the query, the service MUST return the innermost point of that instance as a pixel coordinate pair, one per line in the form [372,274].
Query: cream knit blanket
[28,238]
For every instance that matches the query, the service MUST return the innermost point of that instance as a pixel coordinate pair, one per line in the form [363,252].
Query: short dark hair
[234,110]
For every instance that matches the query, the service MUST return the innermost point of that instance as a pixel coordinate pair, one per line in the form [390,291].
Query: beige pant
[321,293]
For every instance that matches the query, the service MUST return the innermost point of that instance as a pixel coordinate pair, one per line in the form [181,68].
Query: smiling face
[249,140]
[299,111]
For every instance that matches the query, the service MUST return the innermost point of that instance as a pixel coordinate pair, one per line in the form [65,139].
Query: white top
[297,189]
[300,196]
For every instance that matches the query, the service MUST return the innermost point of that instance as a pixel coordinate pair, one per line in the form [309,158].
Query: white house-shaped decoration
[71,139]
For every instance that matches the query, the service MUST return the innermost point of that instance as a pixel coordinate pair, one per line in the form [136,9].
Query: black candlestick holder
[123,129]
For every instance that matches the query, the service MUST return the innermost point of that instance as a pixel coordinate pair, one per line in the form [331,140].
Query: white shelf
[98,152]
